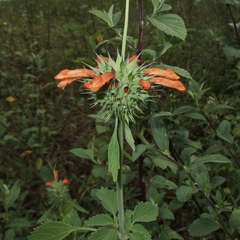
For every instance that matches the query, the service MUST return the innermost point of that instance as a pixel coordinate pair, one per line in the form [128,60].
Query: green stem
[124,40]
[119,183]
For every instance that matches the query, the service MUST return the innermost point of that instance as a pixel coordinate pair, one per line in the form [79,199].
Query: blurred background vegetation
[40,123]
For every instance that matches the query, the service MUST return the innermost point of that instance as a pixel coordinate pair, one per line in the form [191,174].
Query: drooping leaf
[224,131]
[99,220]
[145,212]
[182,110]
[82,153]
[180,71]
[114,153]
[203,227]
[184,193]
[129,137]
[140,149]
[108,199]
[170,24]
[52,231]
[160,134]
[234,220]
[210,158]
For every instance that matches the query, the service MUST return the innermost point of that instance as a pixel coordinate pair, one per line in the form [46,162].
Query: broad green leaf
[163,162]
[184,193]
[153,196]
[218,107]
[160,182]
[108,199]
[19,222]
[100,220]
[52,231]
[114,154]
[168,234]
[9,234]
[234,220]
[224,131]
[145,212]
[231,53]
[140,149]
[197,116]
[103,15]
[129,137]
[165,212]
[104,234]
[202,227]
[210,158]
[139,232]
[182,110]
[217,181]
[82,153]
[159,133]
[12,196]
[72,218]
[171,24]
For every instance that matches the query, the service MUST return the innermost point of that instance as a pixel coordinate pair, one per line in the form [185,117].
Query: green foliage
[181,159]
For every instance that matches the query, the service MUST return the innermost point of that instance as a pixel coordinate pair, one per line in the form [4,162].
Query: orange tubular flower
[67,76]
[145,84]
[167,78]
[99,81]
[55,173]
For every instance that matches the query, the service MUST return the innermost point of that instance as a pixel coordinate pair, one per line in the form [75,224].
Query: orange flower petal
[65,181]
[56,175]
[67,76]
[99,81]
[168,73]
[48,184]
[145,84]
[75,74]
[168,83]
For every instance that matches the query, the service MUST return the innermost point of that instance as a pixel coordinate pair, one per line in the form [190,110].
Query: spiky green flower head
[120,87]
[123,96]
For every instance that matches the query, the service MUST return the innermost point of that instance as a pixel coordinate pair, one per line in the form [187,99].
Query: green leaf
[140,149]
[103,15]
[210,158]
[168,234]
[19,222]
[197,116]
[231,53]
[52,231]
[218,107]
[234,220]
[182,110]
[224,131]
[159,133]
[160,182]
[144,212]
[104,234]
[129,137]
[12,196]
[100,220]
[138,232]
[202,227]
[82,153]
[165,213]
[9,234]
[114,154]
[72,218]
[170,24]
[184,193]
[108,199]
